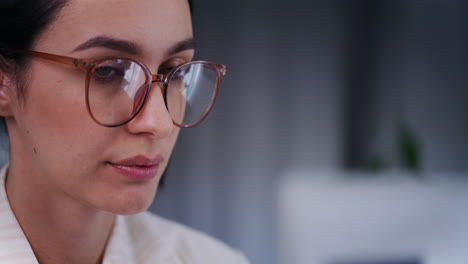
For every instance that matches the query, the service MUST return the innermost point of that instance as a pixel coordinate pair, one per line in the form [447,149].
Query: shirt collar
[14,246]
[119,249]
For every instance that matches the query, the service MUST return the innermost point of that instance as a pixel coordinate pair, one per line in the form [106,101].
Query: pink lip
[138,167]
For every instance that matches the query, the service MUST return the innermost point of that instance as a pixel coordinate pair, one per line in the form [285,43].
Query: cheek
[54,115]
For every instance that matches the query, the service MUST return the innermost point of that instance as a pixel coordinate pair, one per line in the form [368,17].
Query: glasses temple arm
[57,58]
[51,57]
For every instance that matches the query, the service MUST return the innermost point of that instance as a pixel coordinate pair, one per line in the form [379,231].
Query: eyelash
[166,69]
[169,66]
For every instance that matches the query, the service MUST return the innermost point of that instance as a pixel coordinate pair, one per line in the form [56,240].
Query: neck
[59,229]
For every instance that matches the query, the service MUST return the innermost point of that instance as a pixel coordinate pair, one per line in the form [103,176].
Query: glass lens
[190,93]
[116,90]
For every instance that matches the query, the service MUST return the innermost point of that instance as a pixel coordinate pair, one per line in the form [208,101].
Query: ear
[5,95]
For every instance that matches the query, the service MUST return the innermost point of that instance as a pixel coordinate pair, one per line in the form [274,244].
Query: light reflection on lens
[117,88]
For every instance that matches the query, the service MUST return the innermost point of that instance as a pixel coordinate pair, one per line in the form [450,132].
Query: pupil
[103,70]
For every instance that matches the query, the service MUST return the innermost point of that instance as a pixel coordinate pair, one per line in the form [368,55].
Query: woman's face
[54,136]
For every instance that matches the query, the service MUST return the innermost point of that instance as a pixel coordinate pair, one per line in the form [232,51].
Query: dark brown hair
[21,22]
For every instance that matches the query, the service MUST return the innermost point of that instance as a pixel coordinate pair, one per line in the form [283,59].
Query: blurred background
[340,135]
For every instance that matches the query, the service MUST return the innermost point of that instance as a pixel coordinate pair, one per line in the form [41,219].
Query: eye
[106,71]
[166,69]
[170,65]
[111,71]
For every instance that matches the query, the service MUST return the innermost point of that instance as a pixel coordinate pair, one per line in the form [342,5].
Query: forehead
[152,24]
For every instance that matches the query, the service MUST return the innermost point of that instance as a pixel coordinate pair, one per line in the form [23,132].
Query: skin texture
[60,186]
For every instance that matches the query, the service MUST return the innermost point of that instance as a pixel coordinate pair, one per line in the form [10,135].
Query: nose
[153,119]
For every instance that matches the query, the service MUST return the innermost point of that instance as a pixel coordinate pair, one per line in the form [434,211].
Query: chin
[129,208]
[130,203]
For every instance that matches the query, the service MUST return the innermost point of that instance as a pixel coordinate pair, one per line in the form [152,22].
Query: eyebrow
[187,44]
[130,47]
[110,43]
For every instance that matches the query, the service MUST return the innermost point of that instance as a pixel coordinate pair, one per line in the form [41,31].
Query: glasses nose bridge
[158,78]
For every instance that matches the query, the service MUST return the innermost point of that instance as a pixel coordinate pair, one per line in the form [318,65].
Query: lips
[138,167]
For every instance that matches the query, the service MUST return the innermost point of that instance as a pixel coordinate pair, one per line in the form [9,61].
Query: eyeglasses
[117,88]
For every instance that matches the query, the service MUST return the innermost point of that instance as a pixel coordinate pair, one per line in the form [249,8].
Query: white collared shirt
[143,238]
